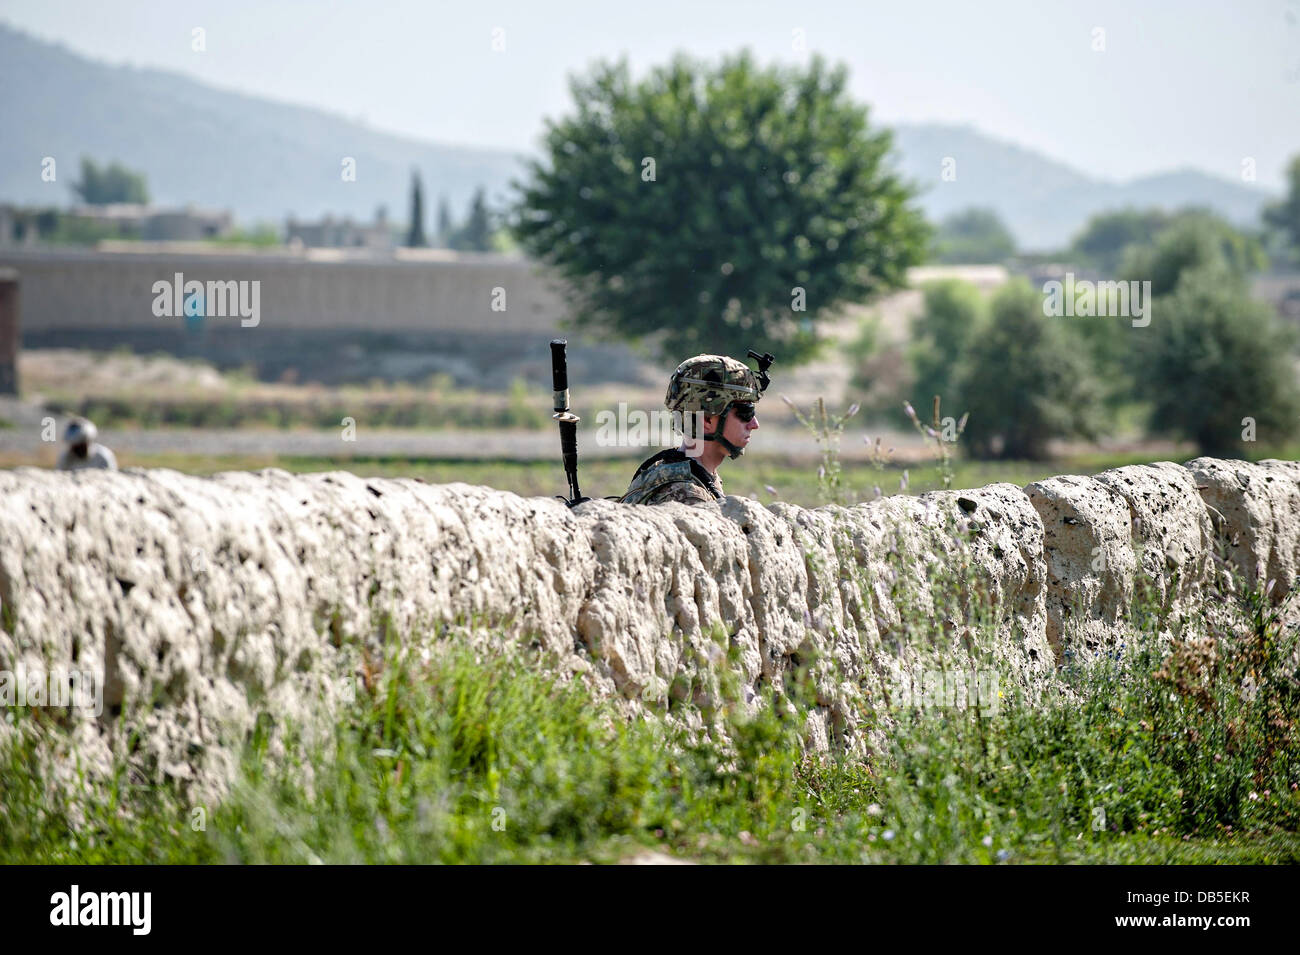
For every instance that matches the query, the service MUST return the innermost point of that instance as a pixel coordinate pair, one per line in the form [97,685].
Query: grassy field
[1161,759]
[764,479]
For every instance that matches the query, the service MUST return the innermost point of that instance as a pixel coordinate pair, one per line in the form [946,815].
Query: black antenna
[567,420]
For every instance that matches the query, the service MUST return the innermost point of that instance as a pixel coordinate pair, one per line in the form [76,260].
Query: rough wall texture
[205,602]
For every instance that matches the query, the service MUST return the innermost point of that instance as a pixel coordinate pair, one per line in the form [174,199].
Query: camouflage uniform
[705,384]
[673,476]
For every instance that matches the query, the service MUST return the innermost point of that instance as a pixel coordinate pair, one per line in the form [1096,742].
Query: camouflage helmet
[709,383]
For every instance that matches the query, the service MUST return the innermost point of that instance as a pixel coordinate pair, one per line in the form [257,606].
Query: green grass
[269,408]
[793,482]
[1161,758]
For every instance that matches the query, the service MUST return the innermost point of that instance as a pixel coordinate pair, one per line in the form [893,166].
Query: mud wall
[201,603]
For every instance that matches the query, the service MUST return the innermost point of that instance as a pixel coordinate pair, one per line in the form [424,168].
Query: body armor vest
[668,467]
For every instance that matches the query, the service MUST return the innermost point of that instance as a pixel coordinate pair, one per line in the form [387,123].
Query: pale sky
[1179,83]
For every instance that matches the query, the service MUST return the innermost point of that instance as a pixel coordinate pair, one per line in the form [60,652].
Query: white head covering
[80,429]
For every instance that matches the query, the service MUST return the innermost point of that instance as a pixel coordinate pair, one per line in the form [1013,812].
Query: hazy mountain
[1043,201]
[213,148]
[265,160]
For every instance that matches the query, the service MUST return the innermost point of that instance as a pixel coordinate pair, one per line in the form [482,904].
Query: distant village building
[158,224]
[331,233]
[188,224]
[22,226]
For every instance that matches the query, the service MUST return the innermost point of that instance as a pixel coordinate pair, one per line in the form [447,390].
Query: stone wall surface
[206,603]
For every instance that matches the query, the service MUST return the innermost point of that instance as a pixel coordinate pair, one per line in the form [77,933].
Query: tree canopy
[476,234]
[975,236]
[1025,381]
[718,209]
[113,183]
[1107,235]
[1284,216]
[415,236]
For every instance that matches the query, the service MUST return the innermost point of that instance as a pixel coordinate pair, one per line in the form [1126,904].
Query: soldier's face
[735,430]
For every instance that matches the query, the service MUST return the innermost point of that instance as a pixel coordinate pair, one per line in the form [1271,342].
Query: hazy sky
[1179,83]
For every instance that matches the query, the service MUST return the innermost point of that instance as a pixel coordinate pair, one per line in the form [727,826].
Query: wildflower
[874,809]
[1003,855]
[988,842]
[887,835]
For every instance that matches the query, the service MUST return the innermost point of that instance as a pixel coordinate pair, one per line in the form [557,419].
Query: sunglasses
[744,410]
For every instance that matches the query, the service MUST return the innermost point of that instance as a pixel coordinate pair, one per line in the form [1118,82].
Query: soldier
[82,451]
[713,396]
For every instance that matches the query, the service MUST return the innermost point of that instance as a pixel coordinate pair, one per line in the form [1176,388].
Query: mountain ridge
[267,159]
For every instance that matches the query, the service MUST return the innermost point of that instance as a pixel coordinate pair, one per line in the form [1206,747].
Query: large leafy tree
[718,209]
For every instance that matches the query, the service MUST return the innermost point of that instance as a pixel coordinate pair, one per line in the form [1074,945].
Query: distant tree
[718,209]
[1195,239]
[1284,216]
[1215,362]
[415,237]
[975,236]
[954,313]
[1104,239]
[882,376]
[444,221]
[114,183]
[1182,241]
[1022,383]
[476,234]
